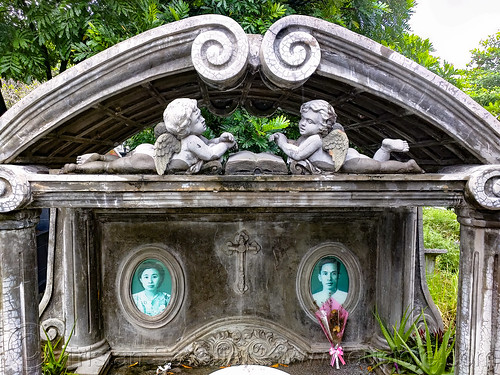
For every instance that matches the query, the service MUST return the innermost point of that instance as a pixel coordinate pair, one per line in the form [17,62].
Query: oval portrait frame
[125,278]
[306,268]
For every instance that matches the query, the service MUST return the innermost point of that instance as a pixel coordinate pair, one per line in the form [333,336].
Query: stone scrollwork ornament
[220,55]
[53,327]
[15,190]
[483,187]
[289,54]
[248,345]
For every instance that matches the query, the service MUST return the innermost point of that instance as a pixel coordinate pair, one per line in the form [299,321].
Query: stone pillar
[19,330]
[478,311]
[82,286]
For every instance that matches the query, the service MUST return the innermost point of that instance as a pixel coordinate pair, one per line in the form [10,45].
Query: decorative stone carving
[179,148]
[182,148]
[15,189]
[289,55]
[483,187]
[220,55]
[249,163]
[241,246]
[53,327]
[324,147]
[248,345]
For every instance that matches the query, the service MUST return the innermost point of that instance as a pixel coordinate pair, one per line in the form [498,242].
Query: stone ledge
[151,191]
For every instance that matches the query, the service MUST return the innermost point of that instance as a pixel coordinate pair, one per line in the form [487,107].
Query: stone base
[94,366]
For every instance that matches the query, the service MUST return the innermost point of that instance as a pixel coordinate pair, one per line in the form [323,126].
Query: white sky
[455,26]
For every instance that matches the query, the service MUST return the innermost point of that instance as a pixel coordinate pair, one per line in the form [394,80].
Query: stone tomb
[238,255]
[241,279]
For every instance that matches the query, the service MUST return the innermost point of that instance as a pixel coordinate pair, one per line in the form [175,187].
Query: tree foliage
[251,133]
[128,19]
[255,16]
[36,38]
[15,90]
[482,80]
[41,38]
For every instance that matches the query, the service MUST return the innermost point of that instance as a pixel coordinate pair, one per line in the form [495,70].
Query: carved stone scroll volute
[15,189]
[483,187]
[240,246]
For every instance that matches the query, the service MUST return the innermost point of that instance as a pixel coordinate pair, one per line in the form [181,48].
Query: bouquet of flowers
[333,317]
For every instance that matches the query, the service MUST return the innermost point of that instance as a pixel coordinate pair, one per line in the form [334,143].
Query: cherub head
[318,117]
[182,117]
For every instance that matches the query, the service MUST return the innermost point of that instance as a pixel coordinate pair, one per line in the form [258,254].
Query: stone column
[81,284]
[19,330]
[478,311]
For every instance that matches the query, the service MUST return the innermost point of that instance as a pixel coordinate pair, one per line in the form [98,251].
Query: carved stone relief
[220,56]
[289,56]
[483,187]
[15,189]
[250,345]
[240,246]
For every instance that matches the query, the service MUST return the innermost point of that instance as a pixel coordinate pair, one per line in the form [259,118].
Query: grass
[443,286]
[442,231]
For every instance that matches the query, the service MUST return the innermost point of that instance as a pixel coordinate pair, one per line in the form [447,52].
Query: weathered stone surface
[483,187]
[241,301]
[220,55]
[249,163]
[142,191]
[478,331]
[14,188]
[19,330]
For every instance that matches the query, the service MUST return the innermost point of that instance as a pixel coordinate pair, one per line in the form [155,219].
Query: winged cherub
[323,146]
[179,147]
[182,148]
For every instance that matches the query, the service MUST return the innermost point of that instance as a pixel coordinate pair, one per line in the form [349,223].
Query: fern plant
[252,132]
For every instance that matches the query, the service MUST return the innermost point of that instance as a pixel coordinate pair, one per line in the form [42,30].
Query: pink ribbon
[336,352]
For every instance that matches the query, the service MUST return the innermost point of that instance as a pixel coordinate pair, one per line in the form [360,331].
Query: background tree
[39,39]
[482,78]
[36,38]
[42,38]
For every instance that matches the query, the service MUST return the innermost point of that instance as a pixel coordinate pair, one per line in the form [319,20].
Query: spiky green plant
[431,354]
[52,363]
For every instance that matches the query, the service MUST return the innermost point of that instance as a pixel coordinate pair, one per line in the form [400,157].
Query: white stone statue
[179,148]
[323,147]
[182,148]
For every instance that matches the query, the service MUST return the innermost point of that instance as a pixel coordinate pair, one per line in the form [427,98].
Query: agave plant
[53,364]
[421,353]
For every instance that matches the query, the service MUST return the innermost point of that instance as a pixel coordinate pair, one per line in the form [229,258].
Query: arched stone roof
[376,92]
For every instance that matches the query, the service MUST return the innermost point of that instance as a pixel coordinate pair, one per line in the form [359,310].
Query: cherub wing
[165,146]
[336,144]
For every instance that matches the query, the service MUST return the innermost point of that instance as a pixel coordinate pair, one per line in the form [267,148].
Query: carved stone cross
[241,246]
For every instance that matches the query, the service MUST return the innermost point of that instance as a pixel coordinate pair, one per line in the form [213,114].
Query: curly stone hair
[325,110]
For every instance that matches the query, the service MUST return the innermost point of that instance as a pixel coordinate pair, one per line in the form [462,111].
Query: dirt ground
[311,367]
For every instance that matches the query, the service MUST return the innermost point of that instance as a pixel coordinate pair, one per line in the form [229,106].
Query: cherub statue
[179,148]
[323,147]
[140,160]
[182,148]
